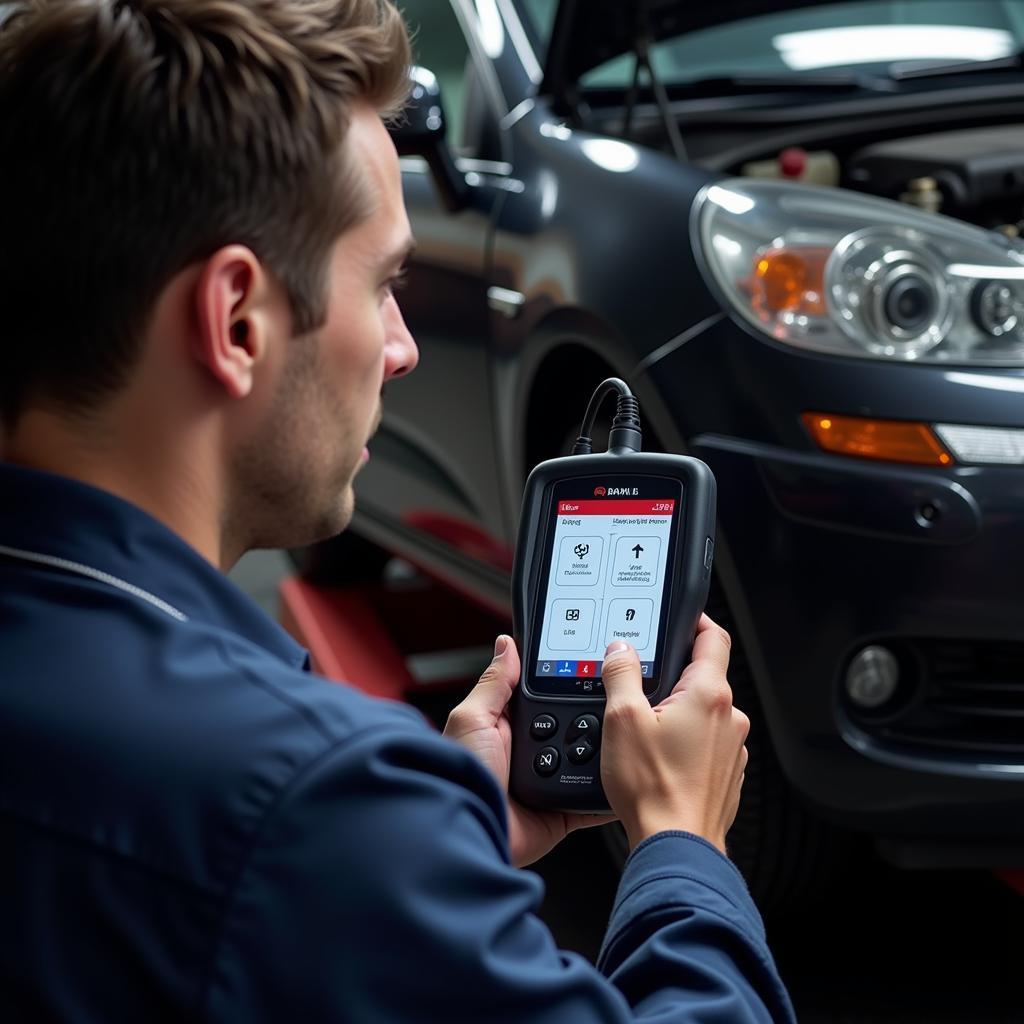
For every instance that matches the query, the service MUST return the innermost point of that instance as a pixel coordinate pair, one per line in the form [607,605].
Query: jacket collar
[60,518]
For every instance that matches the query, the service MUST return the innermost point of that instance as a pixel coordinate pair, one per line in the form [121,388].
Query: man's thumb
[623,682]
[499,678]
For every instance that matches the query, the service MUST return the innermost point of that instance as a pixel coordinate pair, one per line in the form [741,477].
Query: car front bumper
[821,555]
[830,556]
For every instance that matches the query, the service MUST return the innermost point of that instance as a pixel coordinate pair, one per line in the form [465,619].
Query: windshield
[870,35]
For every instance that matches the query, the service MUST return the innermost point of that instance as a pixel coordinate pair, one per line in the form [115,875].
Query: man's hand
[678,765]
[480,723]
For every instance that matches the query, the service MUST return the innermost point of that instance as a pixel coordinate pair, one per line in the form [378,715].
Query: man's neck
[153,476]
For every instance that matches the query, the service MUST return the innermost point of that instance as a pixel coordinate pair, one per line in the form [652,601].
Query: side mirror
[421,132]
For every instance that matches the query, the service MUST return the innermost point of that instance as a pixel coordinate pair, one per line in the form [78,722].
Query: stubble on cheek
[292,480]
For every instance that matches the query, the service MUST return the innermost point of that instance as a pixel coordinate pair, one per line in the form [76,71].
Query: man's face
[294,476]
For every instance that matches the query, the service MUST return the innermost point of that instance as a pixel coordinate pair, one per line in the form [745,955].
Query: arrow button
[583,725]
[580,751]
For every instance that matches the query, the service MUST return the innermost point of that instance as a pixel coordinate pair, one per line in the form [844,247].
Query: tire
[786,855]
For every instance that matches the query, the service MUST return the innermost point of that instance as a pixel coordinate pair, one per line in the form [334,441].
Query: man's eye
[393,284]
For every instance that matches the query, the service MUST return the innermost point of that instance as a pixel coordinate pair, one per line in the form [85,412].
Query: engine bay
[974,174]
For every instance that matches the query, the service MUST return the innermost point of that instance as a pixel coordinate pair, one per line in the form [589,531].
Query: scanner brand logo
[599,492]
[622,490]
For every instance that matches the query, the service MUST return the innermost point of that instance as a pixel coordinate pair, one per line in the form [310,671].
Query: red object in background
[364,635]
[463,536]
[793,162]
[345,637]
[1013,877]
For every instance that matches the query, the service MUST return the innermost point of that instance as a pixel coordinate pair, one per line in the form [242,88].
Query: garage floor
[883,947]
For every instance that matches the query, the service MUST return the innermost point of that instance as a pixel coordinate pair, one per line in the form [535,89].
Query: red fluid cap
[793,162]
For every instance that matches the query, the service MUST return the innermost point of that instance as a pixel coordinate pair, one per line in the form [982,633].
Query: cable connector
[625,435]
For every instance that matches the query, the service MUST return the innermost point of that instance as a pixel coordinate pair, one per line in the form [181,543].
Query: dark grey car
[794,234]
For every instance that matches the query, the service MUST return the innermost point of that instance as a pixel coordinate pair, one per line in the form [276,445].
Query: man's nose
[401,354]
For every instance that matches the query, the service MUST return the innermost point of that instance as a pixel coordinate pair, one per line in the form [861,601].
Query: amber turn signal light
[790,280]
[892,440]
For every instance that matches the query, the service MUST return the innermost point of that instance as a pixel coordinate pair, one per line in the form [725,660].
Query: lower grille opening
[960,698]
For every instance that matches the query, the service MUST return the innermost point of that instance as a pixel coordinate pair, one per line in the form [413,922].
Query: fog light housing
[872,677]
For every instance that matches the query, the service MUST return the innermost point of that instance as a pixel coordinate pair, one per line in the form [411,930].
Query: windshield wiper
[827,81]
[938,69]
[769,81]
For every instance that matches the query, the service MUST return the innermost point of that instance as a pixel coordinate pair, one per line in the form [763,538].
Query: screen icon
[566,668]
[545,668]
[570,626]
[587,669]
[579,561]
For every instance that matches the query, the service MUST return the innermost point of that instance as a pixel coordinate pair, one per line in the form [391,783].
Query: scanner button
[543,726]
[579,562]
[546,761]
[629,619]
[636,562]
[572,625]
[584,725]
[580,751]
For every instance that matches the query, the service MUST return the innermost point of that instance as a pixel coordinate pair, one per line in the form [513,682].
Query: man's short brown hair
[139,136]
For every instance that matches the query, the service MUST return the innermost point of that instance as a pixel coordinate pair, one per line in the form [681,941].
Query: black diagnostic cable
[625,435]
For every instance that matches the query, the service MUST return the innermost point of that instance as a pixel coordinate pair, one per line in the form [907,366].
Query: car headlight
[852,275]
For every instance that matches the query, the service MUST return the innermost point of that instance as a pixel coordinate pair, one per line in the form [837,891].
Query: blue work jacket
[195,827]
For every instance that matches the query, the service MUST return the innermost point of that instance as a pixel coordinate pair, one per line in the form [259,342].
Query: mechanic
[202,224]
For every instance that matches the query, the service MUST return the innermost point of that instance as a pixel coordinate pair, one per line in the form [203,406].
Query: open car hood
[587,33]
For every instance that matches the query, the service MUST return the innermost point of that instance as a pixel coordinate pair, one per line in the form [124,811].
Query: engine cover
[973,168]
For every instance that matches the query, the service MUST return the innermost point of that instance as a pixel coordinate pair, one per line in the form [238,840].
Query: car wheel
[785,854]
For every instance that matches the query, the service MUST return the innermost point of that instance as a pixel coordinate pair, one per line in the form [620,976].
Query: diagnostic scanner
[612,546]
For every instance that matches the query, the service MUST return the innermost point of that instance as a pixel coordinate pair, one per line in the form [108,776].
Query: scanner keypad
[579,745]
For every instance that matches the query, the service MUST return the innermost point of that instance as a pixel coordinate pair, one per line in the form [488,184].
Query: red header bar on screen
[618,507]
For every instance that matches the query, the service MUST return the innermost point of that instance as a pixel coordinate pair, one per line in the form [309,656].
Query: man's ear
[232,327]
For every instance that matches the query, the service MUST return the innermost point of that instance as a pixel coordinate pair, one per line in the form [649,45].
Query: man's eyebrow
[401,254]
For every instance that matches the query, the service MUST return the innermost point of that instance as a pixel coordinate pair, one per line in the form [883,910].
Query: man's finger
[491,695]
[710,656]
[623,683]
[574,821]
[712,643]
